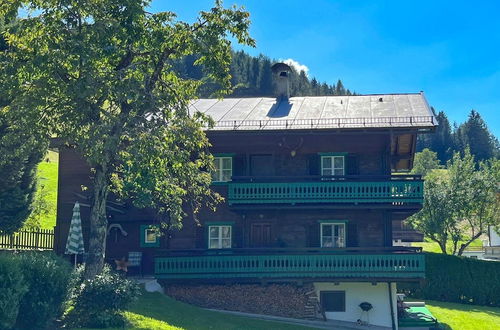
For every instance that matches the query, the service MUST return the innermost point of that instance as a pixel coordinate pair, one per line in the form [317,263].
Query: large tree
[460,203]
[100,75]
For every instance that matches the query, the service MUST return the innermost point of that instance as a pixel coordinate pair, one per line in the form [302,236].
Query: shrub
[47,277]
[98,302]
[458,279]
[12,288]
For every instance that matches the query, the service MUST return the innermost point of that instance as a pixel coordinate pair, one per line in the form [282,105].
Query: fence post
[36,237]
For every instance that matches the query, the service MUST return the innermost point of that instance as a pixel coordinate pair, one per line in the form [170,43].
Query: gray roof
[318,112]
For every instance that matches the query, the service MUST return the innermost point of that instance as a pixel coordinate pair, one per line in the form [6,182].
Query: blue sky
[448,49]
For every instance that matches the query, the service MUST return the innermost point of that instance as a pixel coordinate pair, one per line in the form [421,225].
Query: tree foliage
[101,75]
[460,203]
[425,161]
[252,76]
[473,134]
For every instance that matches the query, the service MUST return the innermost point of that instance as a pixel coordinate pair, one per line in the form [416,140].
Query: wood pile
[285,300]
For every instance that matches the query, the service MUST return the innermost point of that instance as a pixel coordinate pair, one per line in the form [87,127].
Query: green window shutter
[143,238]
[352,165]
[314,164]
[352,235]
[239,165]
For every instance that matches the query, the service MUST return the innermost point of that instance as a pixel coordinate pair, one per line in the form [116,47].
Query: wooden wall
[289,228]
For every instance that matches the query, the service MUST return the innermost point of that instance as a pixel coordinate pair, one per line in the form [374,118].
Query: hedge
[458,279]
[33,287]
[12,289]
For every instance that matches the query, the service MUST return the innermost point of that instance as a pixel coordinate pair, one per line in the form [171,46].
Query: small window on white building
[219,237]
[223,169]
[333,235]
[332,301]
[332,165]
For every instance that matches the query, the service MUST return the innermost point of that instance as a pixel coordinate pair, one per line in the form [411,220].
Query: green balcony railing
[319,266]
[333,191]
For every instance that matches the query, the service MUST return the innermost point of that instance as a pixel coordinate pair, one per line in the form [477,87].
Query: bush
[12,288]
[98,302]
[458,279]
[47,277]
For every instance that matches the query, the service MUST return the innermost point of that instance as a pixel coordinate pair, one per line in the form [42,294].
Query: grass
[47,176]
[157,311]
[464,317]
[431,246]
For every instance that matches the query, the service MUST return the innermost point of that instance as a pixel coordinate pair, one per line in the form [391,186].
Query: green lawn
[465,317]
[47,176]
[431,246]
[157,311]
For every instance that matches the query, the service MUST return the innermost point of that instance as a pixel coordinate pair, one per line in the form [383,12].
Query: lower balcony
[396,190]
[285,264]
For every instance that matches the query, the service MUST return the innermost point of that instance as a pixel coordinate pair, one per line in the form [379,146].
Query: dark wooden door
[260,235]
[261,165]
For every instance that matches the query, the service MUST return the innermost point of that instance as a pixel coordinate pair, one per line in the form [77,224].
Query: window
[219,237]
[223,169]
[333,235]
[332,165]
[332,301]
[149,236]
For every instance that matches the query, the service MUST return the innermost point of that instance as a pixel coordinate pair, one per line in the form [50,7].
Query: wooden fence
[36,239]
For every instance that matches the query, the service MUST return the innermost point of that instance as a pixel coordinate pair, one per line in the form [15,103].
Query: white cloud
[297,66]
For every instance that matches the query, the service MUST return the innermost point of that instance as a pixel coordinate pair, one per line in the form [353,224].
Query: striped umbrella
[74,244]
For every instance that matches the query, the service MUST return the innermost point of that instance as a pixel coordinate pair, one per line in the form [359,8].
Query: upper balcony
[395,190]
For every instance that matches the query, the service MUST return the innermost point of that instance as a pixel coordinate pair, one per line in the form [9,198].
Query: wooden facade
[290,157]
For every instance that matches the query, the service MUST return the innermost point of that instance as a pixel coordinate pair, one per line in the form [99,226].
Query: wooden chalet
[315,189]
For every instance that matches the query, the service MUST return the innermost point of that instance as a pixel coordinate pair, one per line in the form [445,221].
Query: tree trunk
[466,244]
[98,226]
[442,245]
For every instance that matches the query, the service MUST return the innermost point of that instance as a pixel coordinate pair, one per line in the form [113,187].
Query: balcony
[396,189]
[285,264]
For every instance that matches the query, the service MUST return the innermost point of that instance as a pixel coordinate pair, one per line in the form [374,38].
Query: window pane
[226,175]
[338,162]
[226,232]
[215,176]
[214,244]
[226,243]
[333,301]
[327,241]
[214,232]
[327,230]
[150,235]
[338,172]
[326,162]
[227,163]
[326,172]
[217,163]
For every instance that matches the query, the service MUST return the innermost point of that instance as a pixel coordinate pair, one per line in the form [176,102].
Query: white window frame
[333,168]
[146,230]
[219,237]
[342,239]
[218,175]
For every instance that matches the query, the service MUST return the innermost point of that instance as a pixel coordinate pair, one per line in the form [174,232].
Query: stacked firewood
[285,300]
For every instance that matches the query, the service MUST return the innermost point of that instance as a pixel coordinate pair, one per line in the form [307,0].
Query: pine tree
[265,77]
[339,89]
[475,134]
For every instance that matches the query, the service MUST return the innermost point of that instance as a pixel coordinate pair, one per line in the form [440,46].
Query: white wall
[494,237]
[356,293]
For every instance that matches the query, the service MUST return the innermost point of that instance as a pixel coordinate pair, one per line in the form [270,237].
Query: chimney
[281,73]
